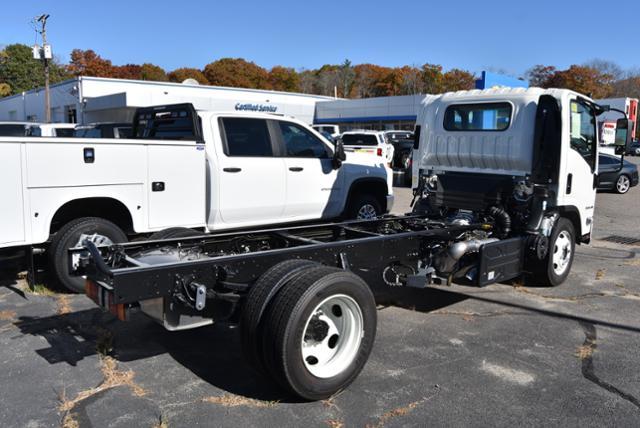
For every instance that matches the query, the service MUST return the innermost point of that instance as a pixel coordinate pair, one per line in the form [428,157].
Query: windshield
[359,140]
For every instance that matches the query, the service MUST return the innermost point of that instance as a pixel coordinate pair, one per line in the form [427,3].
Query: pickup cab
[203,170]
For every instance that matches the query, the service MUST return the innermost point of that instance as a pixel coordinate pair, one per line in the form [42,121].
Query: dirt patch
[232,400]
[633,262]
[64,304]
[587,349]
[400,411]
[600,274]
[112,377]
[7,315]
[334,423]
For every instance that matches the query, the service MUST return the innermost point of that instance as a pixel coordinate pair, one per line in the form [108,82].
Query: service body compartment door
[176,185]
[12,211]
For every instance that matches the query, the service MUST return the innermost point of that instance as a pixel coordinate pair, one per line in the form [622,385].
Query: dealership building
[95,99]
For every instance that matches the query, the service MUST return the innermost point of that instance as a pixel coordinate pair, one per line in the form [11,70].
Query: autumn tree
[458,80]
[152,72]
[432,78]
[540,75]
[284,79]
[307,81]
[127,71]
[237,72]
[346,76]
[89,63]
[5,90]
[20,72]
[583,79]
[179,75]
[411,80]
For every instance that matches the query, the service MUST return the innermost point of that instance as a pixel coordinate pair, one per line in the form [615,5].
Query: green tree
[179,75]
[237,72]
[21,72]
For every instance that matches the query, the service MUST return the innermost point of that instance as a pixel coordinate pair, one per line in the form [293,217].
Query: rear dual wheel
[316,333]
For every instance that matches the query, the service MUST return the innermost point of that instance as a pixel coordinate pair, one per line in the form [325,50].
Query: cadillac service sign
[256,107]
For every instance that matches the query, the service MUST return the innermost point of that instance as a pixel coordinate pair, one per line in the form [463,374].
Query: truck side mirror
[339,155]
[623,136]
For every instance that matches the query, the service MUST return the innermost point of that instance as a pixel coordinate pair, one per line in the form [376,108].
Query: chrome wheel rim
[367,212]
[561,253]
[623,184]
[332,336]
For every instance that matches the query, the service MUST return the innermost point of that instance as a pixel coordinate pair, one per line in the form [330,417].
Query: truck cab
[531,154]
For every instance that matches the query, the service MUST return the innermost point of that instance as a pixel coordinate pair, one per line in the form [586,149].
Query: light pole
[45,55]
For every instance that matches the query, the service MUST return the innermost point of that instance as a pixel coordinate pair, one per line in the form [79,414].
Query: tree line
[20,72]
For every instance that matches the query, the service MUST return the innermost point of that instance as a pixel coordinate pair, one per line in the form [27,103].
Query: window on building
[300,143]
[477,117]
[246,137]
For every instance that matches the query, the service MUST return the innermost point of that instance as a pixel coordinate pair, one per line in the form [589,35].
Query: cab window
[246,137]
[583,132]
[300,143]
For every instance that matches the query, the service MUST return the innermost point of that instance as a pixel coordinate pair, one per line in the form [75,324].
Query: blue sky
[475,35]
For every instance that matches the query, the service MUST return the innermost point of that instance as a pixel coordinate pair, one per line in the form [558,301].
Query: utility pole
[45,55]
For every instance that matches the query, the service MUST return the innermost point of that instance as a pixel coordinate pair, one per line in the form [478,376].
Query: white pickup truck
[183,168]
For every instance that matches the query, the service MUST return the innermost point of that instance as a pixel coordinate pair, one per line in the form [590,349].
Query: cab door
[314,186]
[251,178]
[578,184]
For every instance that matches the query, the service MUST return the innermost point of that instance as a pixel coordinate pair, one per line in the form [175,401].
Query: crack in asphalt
[588,371]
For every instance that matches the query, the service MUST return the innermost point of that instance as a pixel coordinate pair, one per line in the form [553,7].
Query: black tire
[617,184]
[286,320]
[546,274]
[360,202]
[263,291]
[174,232]
[67,237]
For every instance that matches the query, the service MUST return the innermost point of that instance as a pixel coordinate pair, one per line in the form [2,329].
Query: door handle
[232,169]
[157,186]
[569,183]
[296,168]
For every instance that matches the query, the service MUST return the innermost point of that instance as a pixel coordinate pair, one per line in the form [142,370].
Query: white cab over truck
[184,168]
[506,188]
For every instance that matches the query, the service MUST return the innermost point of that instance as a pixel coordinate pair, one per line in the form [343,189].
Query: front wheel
[364,207]
[555,268]
[623,184]
[96,229]
[319,332]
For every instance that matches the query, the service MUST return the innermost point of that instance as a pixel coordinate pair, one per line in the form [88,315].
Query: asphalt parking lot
[502,355]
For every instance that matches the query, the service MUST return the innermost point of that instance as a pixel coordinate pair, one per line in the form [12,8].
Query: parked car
[333,130]
[397,135]
[634,149]
[104,130]
[373,142]
[612,177]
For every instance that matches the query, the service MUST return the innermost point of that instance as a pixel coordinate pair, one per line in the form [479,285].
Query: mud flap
[500,261]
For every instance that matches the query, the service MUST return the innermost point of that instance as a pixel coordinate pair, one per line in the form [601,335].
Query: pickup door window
[313,185]
[252,184]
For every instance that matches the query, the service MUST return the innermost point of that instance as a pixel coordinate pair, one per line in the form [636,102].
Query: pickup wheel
[364,207]
[96,229]
[319,332]
[555,268]
[260,294]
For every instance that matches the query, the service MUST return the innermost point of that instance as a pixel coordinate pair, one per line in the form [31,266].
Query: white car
[334,130]
[183,168]
[373,142]
[33,129]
